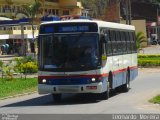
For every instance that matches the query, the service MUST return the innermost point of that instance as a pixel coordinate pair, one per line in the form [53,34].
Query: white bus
[86,56]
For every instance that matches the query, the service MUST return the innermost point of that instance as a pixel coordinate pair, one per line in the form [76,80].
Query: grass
[17,86]
[155,100]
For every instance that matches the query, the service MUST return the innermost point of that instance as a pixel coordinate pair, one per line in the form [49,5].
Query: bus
[85,56]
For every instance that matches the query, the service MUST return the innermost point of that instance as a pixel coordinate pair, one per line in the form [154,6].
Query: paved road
[144,87]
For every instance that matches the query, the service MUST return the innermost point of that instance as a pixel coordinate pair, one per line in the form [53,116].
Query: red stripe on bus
[74,76]
[89,76]
[133,67]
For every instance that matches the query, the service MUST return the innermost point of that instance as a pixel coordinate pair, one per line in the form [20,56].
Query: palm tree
[140,38]
[43,4]
[31,11]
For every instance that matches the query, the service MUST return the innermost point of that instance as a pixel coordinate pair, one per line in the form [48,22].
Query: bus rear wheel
[57,97]
[126,86]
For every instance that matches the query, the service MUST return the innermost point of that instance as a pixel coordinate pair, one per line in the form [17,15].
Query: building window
[57,12]
[52,1]
[28,28]
[65,12]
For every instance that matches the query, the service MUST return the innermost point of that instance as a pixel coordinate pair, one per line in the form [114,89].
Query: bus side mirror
[103,38]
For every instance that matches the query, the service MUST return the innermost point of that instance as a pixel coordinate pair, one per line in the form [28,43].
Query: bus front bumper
[87,88]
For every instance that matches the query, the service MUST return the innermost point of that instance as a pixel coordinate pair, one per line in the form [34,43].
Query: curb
[18,95]
[6,56]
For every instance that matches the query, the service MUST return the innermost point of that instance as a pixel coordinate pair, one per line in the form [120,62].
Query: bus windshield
[69,52]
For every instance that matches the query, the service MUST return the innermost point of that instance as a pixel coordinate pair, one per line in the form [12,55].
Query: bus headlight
[93,79]
[44,81]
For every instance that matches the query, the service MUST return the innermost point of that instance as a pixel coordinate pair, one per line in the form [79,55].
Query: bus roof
[99,23]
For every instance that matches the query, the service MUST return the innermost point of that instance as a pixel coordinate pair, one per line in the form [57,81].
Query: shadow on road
[68,99]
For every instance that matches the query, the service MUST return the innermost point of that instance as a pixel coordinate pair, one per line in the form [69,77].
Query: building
[8,8]
[11,34]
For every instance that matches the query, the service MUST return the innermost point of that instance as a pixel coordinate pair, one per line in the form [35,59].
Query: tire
[126,87]
[105,95]
[57,97]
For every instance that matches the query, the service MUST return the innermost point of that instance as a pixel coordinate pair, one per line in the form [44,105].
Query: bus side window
[109,43]
[114,45]
[134,42]
[124,42]
[119,43]
[127,42]
[130,43]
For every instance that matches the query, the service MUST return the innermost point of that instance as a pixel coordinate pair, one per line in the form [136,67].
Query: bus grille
[68,89]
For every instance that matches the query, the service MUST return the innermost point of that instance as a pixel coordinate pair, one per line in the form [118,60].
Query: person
[3,49]
[91,54]
[6,48]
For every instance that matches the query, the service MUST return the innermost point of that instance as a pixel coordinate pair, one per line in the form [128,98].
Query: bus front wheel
[105,95]
[126,86]
[57,97]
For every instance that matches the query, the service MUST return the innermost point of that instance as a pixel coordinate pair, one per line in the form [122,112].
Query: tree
[97,7]
[43,4]
[31,11]
[157,1]
[140,38]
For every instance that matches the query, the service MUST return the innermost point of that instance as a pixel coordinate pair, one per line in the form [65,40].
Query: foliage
[17,86]
[149,56]
[146,63]
[155,100]
[8,70]
[97,7]
[29,67]
[140,38]
[1,64]
[156,1]
[26,65]
[31,11]
[148,60]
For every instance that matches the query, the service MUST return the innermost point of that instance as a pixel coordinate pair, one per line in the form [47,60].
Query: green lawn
[17,86]
[156,100]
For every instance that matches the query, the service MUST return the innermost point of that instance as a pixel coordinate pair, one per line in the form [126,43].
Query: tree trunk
[32,45]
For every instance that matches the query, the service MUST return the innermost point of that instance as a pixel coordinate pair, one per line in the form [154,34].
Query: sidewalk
[152,49]
[7,57]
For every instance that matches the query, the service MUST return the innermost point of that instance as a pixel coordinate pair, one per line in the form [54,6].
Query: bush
[148,56]
[149,63]
[26,65]
[8,70]
[148,60]
[29,67]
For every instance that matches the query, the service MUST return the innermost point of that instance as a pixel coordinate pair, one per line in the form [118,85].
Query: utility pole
[158,14]
[23,46]
[126,11]
[130,12]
